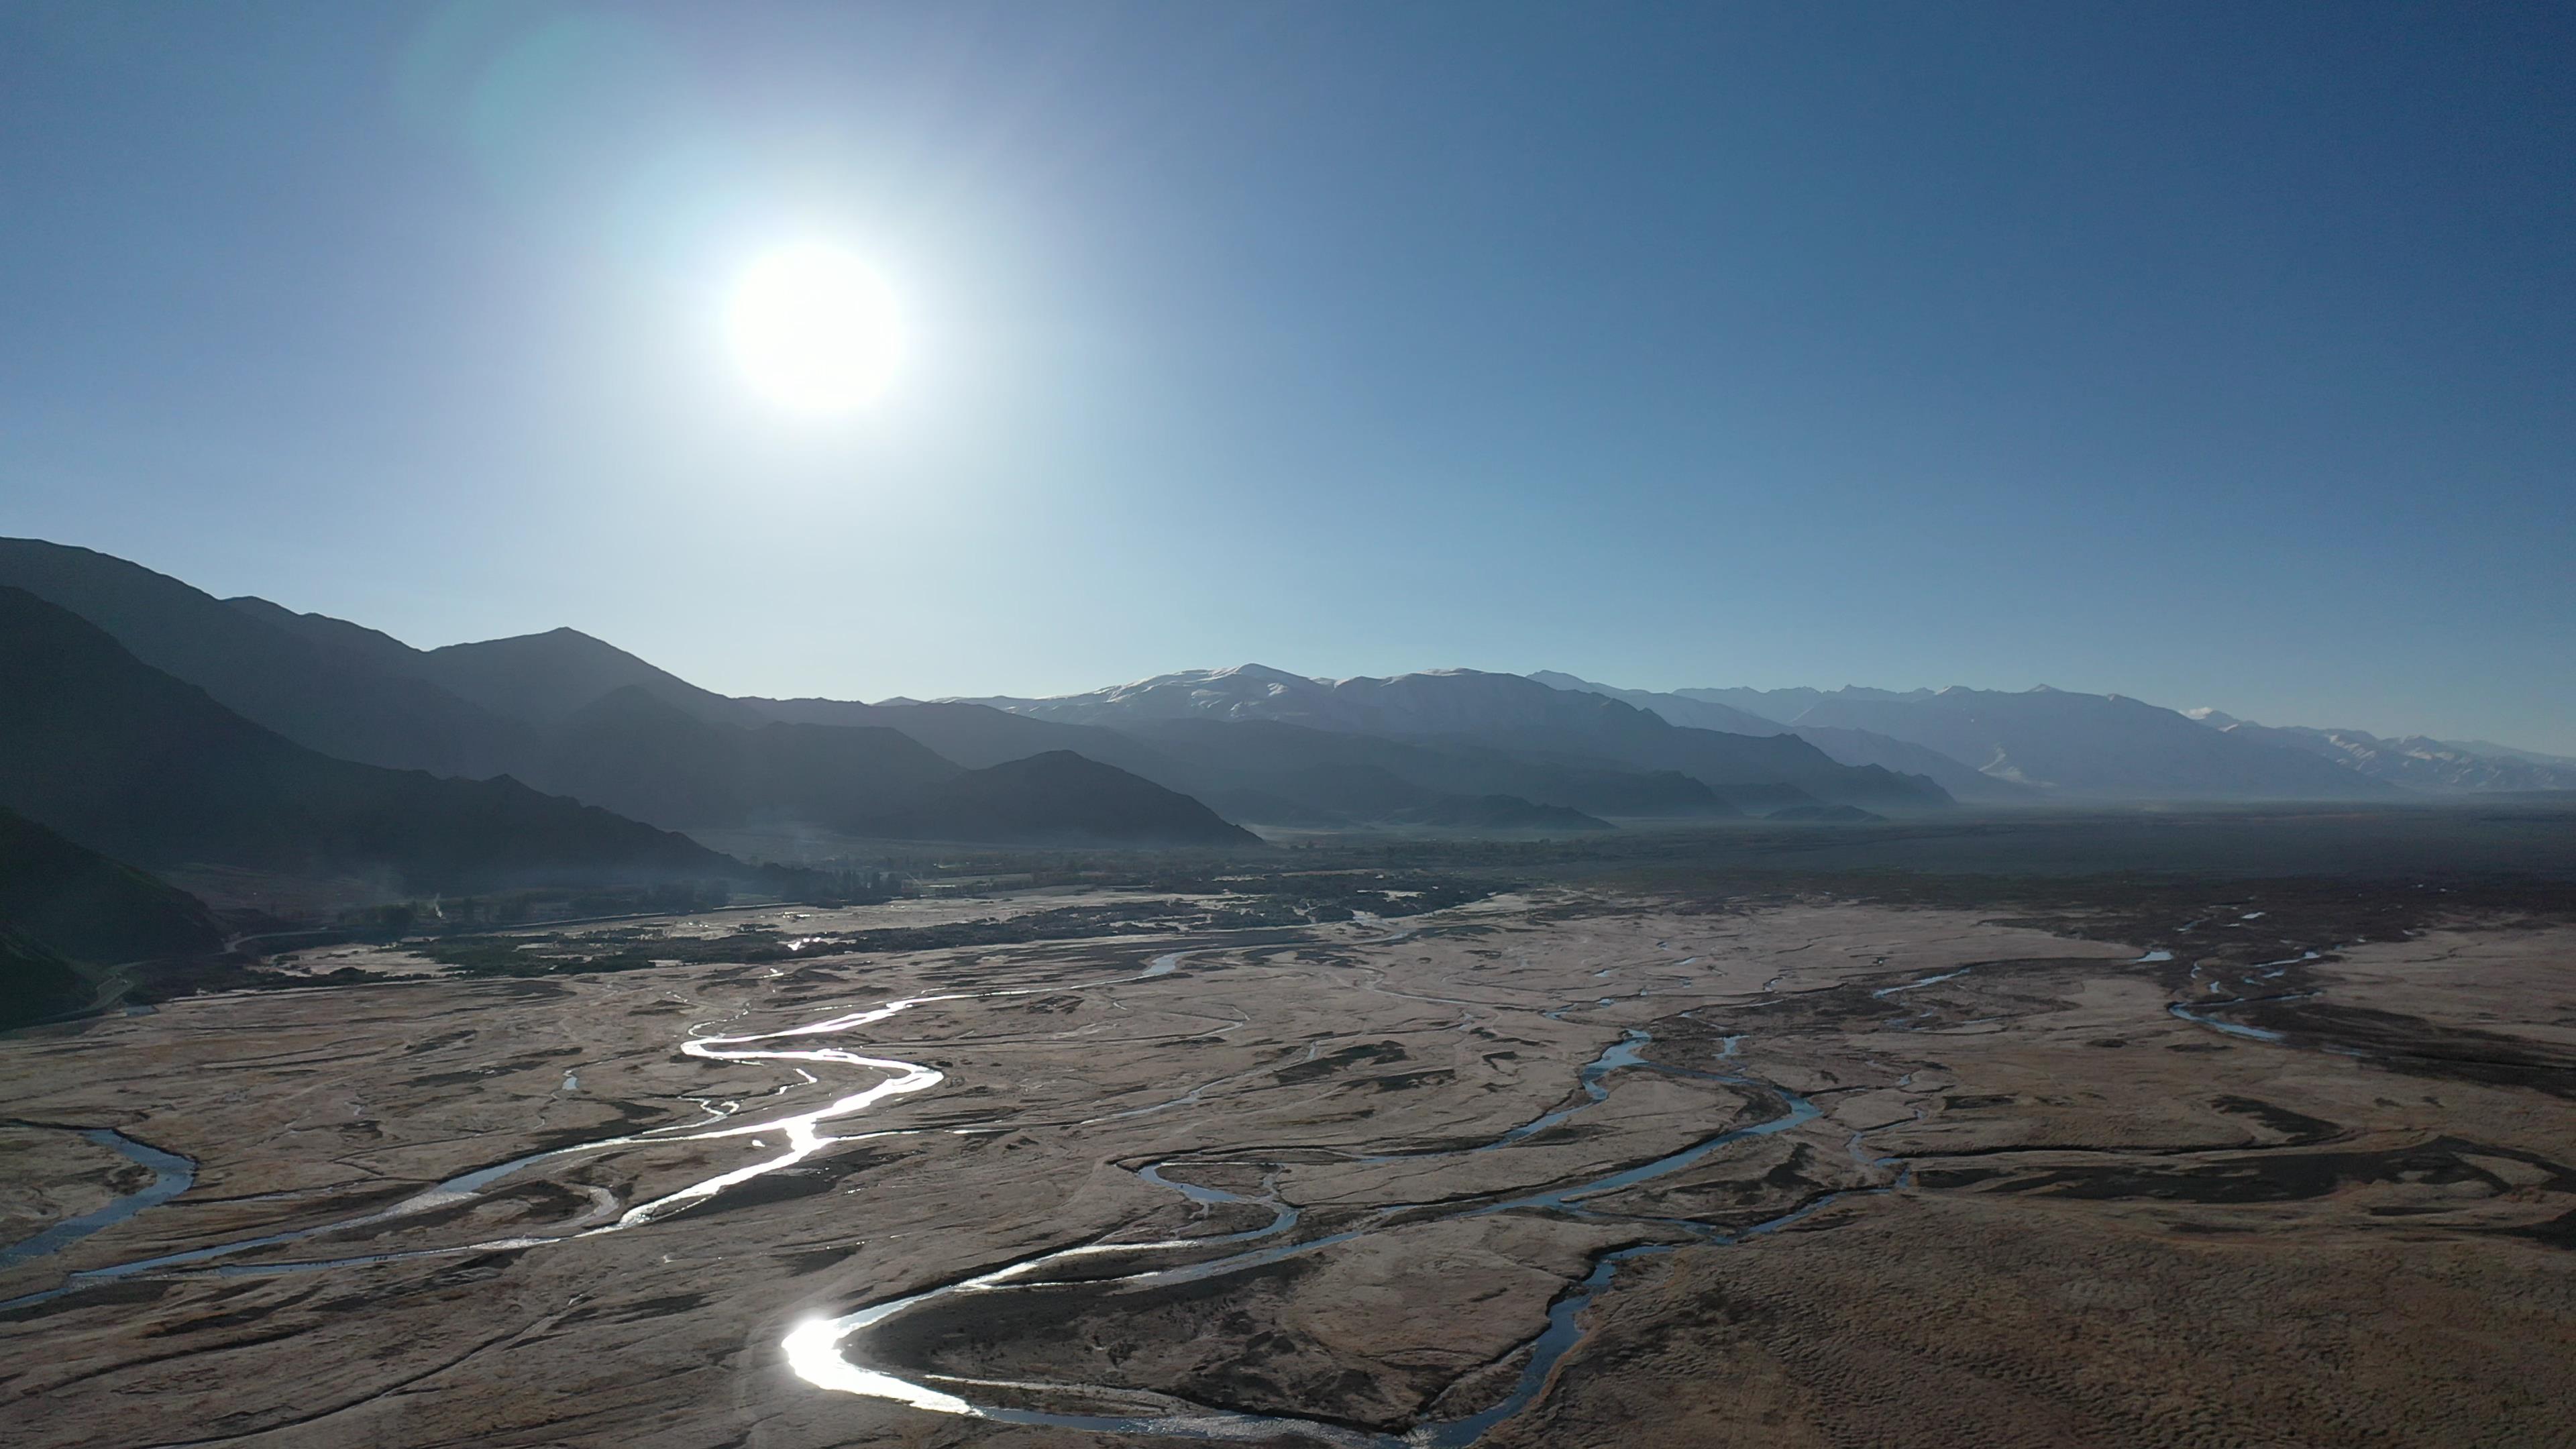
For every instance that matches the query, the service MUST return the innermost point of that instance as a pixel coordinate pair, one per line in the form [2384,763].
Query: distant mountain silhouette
[1677,709]
[2091,745]
[2414,761]
[2506,752]
[2048,742]
[1280,774]
[1365,778]
[562,711]
[1056,798]
[1454,707]
[972,735]
[1785,705]
[1845,746]
[571,714]
[1826,815]
[314,684]
[634,751]
[130,762]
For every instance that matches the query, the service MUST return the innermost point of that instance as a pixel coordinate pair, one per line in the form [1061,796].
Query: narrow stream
[2198,1013]
[832,1354]
[171,1176]
[802,1130]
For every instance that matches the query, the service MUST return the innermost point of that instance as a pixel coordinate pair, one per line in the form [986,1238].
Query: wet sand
[2032,1205]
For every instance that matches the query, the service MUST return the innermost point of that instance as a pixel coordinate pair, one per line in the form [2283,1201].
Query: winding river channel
[834,1354]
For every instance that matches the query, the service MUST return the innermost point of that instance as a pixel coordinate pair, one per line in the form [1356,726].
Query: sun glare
[814,330]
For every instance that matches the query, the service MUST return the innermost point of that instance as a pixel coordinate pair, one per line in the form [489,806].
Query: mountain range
[1494,719]
[131,762]
[565,714]
[2048,743]
[2414,761]
[161,726]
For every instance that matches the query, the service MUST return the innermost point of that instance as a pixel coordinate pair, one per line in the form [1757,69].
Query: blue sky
[2210,354]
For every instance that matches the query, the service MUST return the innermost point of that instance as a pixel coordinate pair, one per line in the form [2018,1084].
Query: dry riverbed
[1546,1169]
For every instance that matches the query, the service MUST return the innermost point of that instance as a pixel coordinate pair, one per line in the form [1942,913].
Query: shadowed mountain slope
[563,711]
[37,982]
[636,753]
[1055,798]
[317,683]
[75,901]
[973,735]
[543,678]
[1863,747]
[128,761]
[1290,774]
[62,904]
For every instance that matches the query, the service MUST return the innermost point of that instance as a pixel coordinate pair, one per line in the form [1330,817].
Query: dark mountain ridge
[558,710]
[130,762]
[309,685]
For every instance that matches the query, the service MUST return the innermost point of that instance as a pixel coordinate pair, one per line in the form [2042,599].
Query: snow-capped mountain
[2417,762]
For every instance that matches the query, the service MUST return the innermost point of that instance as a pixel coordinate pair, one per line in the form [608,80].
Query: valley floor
[1555,1168]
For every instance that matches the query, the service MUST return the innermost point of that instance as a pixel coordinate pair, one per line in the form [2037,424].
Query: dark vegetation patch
[1372,1053]
[812,1260]
[808,1179]
[116,1292]
[237,1318]
[2421,1048]
[479,1269]
[2252,1177]
[446,1079]
[635,1310]
[2297,1126]
[1264,1367]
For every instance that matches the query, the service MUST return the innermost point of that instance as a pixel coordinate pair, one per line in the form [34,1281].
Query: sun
[814,329]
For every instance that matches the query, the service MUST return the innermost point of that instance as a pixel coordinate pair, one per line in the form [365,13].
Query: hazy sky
[2215,355]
